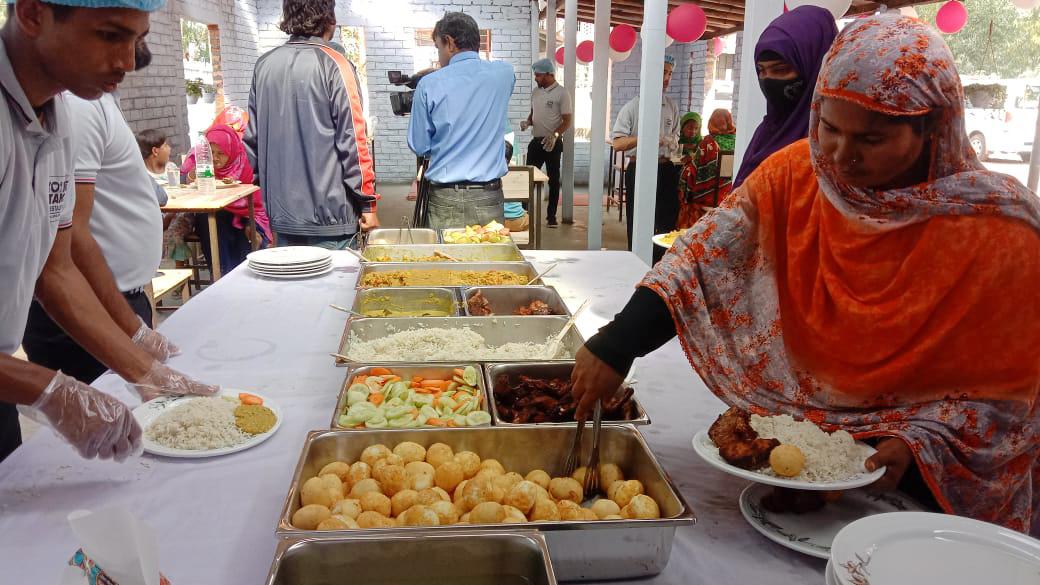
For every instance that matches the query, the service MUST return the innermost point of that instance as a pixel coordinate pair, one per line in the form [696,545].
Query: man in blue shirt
[458,113]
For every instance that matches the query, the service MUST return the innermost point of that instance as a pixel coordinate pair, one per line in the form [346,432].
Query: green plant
[207,88]
[193,87]
[983,95]
[195,41]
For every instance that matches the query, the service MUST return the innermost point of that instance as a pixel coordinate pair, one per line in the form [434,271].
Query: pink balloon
[623,38]
[559,55]
[686,23]
[718,46]
[585,51]
[952,17]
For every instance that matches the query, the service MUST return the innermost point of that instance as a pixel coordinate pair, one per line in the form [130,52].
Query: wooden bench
[169,280]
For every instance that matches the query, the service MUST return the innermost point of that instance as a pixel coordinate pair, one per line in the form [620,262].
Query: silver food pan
[501,375]
[470,558]
[406,371]
[462,252]
[372,302]
[581,550]
[382,236]
[496,331]
[445,232]
[523,268]
[504,300]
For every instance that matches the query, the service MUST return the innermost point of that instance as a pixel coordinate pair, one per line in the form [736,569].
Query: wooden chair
[518,185]
[618,166]
[723,171]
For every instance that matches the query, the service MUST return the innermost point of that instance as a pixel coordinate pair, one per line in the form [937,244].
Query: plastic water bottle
[173,174]
[204,177]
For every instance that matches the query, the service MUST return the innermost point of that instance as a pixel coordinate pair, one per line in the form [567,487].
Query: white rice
[828,457]
[198,424]
[438,344]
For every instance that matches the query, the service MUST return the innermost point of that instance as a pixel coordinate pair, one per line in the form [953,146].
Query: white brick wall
[736,74]
[154,98]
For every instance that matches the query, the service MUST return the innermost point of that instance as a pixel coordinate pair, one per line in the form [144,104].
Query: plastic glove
[549,142]
[524,125]
[163,381]
[154,343]
[93,422]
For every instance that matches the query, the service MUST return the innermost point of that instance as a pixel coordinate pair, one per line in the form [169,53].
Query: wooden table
[188,200]
[169,280]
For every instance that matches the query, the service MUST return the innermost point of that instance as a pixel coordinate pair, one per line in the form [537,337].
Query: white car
[1000,130]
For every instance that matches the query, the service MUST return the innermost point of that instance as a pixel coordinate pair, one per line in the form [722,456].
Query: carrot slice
[376,398]
[246,398]
[360,379]
[436,422]
[437,384]
[417,379]
[458,372]
[390,379]
[380,372]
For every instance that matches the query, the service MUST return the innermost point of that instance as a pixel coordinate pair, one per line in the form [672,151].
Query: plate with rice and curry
[207,426]
[784,452]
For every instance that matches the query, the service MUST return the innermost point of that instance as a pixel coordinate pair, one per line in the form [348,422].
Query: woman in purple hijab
[788,58]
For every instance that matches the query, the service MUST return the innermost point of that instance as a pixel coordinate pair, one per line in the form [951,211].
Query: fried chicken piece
[479,306]
[750,455]
[732,425]
[535,307]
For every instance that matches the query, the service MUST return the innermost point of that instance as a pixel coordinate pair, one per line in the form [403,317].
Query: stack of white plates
[291,262]
[931,549]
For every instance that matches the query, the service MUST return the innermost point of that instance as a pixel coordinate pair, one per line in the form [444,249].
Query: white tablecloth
[215,518]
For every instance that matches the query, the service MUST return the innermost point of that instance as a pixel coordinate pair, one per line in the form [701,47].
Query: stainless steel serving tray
[381,236]
[470,558]
[496,331]
[524,268]
[408,299]
[406,371]
[507,252]
[503,300]
[505,373]
[581,550]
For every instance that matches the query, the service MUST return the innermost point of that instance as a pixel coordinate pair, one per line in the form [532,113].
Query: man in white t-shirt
[116,218]
[551,115]
[36,199]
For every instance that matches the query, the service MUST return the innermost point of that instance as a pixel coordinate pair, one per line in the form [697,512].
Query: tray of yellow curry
[435,274]
[407,302]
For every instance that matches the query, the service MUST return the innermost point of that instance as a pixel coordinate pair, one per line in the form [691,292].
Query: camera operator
[458,113]
[307,136]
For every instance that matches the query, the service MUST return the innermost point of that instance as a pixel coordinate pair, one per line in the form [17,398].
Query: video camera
[401,101]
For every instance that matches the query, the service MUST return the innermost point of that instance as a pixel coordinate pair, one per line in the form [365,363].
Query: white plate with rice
[194,427]
[833,461]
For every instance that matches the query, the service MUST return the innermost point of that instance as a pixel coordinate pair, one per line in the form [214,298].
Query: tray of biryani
[384,483]
[540,393]
[487,301]
[394,274]
[407,302]
[492,233]
[459,558]
[457,339]
[784,452]
[384,236]
[504,252]
[412,396]
[206,426]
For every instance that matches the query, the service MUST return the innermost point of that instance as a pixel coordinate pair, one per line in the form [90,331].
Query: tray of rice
[784,452]
[394,274]
[206,426]
[457,339]
[505,252]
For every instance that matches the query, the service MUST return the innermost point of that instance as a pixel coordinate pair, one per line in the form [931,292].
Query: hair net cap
[543,66]
[669,60]
[142,5]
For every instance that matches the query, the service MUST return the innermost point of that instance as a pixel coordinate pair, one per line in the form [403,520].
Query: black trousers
[46,344]
[231,241]
[666,211]
[536,157]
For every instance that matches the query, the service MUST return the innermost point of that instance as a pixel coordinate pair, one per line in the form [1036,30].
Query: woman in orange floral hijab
[874,278]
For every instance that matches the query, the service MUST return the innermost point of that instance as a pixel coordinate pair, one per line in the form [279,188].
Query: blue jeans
[327,242]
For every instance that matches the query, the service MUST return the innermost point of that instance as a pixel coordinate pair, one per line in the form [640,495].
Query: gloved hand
[163,381]
[93,422]
[154,343]
[549,142]
[524,125]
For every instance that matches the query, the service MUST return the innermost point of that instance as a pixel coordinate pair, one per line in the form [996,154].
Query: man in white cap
[624,138]
[551,115]
[37,198]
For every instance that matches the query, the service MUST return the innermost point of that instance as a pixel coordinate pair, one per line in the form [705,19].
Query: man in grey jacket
[307,136]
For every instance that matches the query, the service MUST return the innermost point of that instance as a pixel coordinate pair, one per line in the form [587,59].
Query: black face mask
[783,94]
[142,56]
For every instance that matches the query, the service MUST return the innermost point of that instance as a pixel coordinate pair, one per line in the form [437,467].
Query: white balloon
[837,7]
[617,56]
[668,40]
[1026,4]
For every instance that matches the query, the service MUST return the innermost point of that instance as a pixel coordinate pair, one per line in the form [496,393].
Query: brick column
[218,74]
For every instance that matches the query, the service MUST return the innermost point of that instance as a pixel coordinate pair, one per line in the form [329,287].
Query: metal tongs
[591,484]
[405,225]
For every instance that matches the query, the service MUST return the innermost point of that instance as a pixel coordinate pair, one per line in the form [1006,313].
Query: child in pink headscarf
[230,162]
